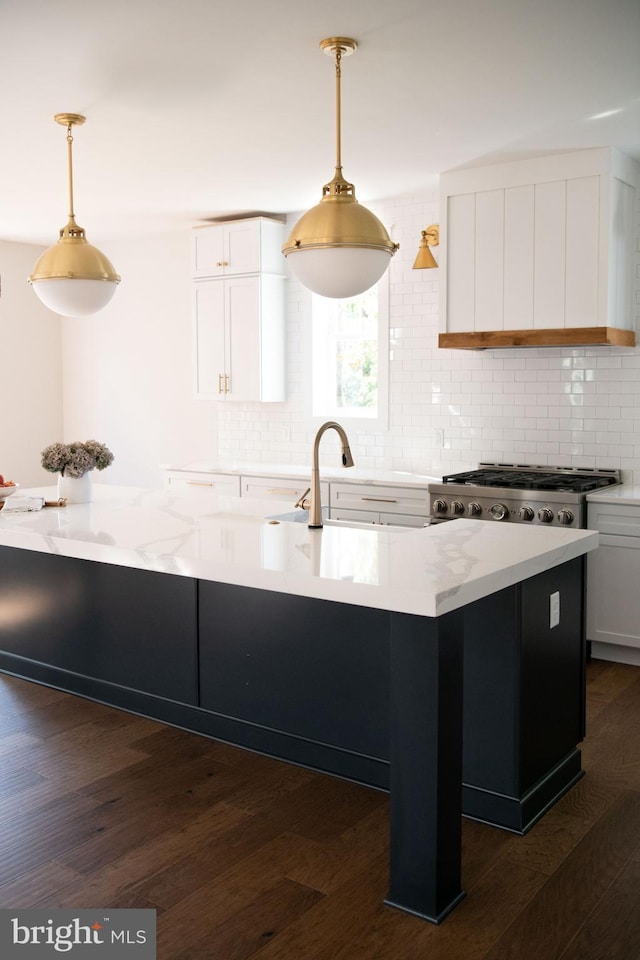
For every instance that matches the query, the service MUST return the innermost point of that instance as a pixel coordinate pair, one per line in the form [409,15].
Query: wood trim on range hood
[552,337]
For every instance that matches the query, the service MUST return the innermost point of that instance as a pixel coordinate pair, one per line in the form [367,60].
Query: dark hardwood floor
[243,856]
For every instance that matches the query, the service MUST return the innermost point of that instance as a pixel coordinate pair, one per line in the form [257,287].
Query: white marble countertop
[328,471]
[622,493]
[427,571]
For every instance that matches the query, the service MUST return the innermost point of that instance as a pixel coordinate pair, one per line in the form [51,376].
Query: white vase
[75,489]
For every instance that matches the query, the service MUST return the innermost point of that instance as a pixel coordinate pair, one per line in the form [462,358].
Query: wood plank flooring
[243,856]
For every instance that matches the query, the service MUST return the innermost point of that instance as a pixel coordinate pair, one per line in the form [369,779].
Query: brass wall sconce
[430,238]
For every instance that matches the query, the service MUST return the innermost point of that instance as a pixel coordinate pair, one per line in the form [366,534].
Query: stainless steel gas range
[519,493]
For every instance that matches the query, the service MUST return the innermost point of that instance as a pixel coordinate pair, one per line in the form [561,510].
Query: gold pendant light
[339,248]
[73,278]
[430,238]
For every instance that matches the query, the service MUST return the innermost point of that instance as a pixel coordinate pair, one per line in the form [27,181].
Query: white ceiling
[203,108]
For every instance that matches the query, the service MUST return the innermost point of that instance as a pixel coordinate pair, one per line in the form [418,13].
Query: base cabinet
[613,576]
[380,504]
[194,481]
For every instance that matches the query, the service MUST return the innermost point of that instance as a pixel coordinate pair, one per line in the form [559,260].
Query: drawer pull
[286,493]
[379,499]
[200,483]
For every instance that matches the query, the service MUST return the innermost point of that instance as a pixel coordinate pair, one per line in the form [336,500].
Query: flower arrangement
[76,459]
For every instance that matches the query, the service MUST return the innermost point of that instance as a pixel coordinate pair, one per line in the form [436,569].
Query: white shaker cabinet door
[209,338]
[226,249]
[239,338]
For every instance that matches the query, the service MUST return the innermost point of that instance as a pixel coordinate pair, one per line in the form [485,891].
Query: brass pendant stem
[338,111]
[70,170]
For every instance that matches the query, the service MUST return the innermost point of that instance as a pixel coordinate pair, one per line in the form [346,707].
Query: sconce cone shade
[339,248]
[425,259]
[73,278]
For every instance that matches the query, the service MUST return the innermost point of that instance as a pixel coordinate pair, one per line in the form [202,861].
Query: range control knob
[526,513]
[499,511]
[457,508]
[474,509]
[565,517]
[545,515]
[439,506]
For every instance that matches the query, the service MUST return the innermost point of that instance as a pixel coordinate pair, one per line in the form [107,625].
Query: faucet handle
[302,501]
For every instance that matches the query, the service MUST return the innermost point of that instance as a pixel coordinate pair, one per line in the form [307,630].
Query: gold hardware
[276,491]
[199,483]
[226,383]
[378,500]
[430,238]
[219,383]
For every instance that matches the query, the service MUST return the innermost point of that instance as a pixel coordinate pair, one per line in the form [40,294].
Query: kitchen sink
[302,516]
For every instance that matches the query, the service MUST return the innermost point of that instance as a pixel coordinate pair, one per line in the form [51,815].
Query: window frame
[365,424]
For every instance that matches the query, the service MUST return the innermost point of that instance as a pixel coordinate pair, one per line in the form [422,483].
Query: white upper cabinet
[238,311]
[239,338]
[539,251]
[237,247]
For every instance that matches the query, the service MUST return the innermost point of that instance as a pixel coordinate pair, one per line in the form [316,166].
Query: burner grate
[531,480]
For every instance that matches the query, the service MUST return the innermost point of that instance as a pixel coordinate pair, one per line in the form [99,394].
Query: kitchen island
[340,648]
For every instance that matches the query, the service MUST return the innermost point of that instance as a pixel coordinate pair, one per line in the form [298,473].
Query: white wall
[30,369]
[127,370]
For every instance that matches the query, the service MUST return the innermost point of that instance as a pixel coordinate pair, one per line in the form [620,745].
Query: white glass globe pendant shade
[75,298]
[339,272]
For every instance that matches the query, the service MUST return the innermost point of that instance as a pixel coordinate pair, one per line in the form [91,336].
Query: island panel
[130,628]
[313,669]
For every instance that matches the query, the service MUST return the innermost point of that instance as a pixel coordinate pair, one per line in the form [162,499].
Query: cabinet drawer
[193,481]
[378,517]
[384,499]
[277,488]
[617,520]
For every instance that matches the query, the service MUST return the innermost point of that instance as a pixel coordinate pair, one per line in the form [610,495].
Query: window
[350,355]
